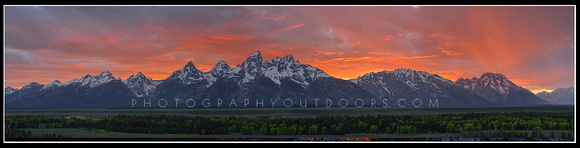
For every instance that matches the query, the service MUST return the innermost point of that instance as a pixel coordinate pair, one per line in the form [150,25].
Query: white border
[4,72]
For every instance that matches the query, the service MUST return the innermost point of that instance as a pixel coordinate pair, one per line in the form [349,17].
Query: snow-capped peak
[220,68]
[280,68]
[255,55]
[9,90]
[254,66]
[92,81]
[189,67]
[188,74]
[255,62]
[88,76]
[52,85]
[30,85]
[106,73]
[410,77]
[140,85]
[495,81]
[221,62]
[288,58]
[140,74]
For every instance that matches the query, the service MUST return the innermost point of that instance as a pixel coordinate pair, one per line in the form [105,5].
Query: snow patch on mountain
[564,96]
[93,81]
[140,85]
[53,85]
[254,66]
[498,88]
[9,90]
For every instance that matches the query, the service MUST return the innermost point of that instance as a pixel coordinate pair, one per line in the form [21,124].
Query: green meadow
[527,122]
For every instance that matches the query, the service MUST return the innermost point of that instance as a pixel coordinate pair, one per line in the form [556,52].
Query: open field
[296,124]
[85,133]
[289,112]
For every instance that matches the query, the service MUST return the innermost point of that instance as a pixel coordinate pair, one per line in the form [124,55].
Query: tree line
[467,124]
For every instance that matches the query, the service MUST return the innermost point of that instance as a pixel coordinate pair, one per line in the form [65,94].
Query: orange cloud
[328,53]
[387,38]
[230,37]
[532,45]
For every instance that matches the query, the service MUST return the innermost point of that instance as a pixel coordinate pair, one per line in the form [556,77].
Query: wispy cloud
[524,42]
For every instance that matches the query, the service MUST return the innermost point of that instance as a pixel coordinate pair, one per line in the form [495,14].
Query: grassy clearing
[288,112]
[86,133]
[271,112]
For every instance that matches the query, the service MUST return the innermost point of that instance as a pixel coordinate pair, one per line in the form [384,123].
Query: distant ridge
[280,82]
[562,96]
[410,84]
[499,89]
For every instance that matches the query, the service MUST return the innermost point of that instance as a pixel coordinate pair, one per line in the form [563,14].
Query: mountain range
[410,84]
[563,96]
[497,88]
[280,82]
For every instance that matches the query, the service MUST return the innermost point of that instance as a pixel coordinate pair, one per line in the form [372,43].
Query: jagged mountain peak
[497,88]
[31,85]
[9,90]
[564,96]
[221,67]
[221,62]
[189,67]
[52,85]
[404,70]
[88,76]
[55,82]
[496,81]
[92,81]
[255,60]
[496,75]
[409,75]
[140,74]
[569,89]
[288,58]
[106,73]
[404,83]
[188,74]
[140,85]
[10,87]
[255,55]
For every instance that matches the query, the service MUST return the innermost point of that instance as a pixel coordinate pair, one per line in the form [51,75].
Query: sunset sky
[534,46]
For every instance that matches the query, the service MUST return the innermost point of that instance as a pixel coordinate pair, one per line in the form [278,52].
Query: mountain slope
[280,82]
[140,85]
[89,91]
[499,89]
[402,86]
[563,96]
[259,80]
[182,84]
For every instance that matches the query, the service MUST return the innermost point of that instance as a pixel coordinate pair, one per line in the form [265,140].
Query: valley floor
[522,123]
[291,112]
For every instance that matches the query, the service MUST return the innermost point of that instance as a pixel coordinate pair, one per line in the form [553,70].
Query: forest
[477,125]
